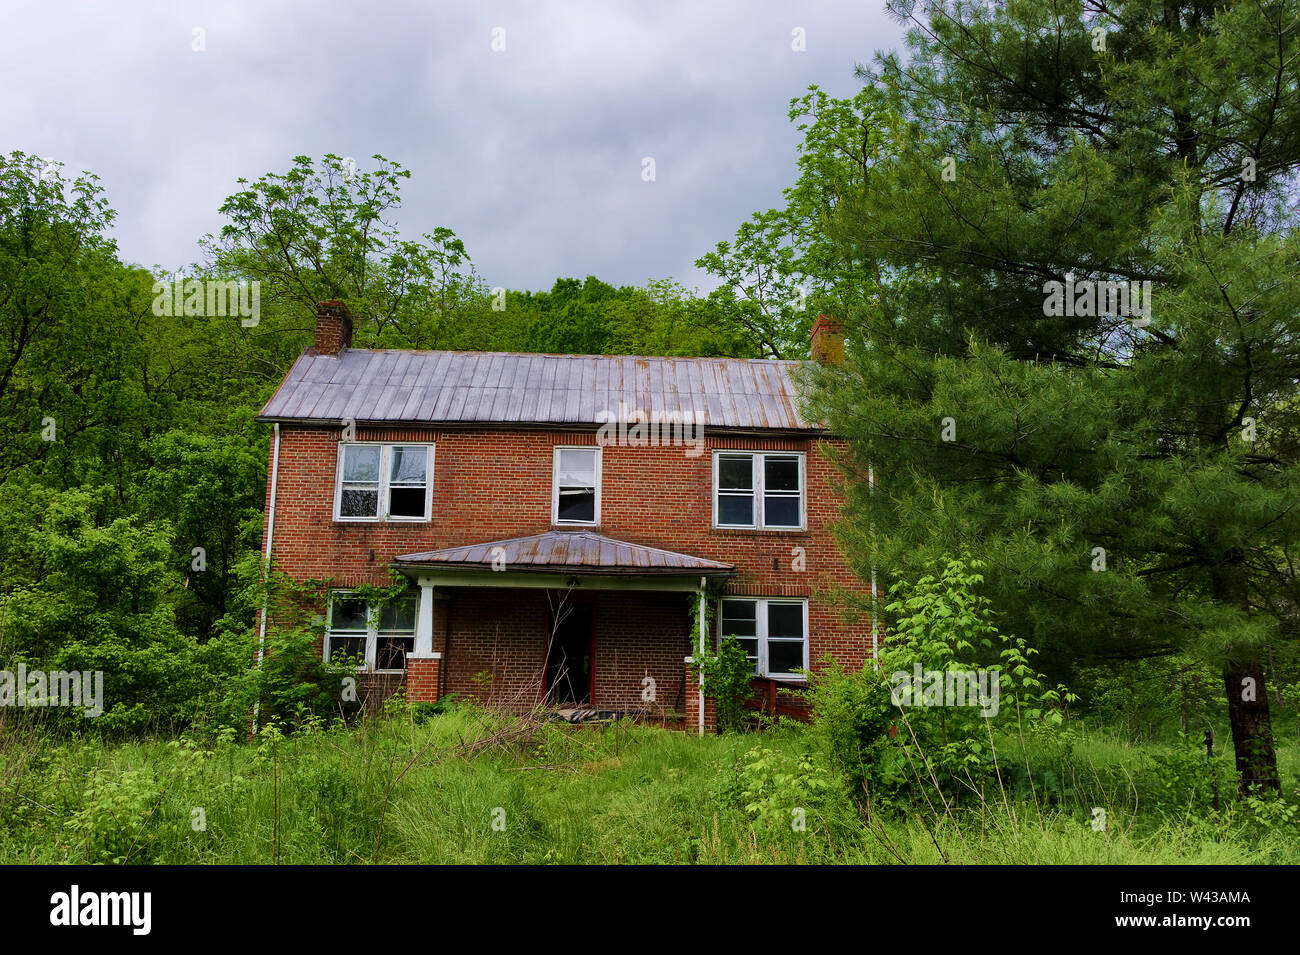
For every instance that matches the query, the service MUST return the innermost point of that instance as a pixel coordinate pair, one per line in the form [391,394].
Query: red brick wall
[637,636]
[493,484]
[422,679]
[502,634]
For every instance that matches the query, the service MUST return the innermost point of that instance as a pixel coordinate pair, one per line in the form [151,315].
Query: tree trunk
[1244,683]
[1247,694]
[1252,730]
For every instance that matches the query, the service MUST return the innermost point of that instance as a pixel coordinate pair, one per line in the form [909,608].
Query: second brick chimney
[333,328]
[827,340]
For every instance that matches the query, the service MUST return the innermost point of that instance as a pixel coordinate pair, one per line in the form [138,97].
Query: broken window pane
[577,504]
[359,502]
[340,647]
[348,614]
[398,615]
[391,652]
[406,502]
[361,464]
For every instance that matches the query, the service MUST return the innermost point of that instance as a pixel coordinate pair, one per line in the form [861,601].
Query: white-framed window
[758,489]
[384,482]
[575,486]
[380,638]
[773,631]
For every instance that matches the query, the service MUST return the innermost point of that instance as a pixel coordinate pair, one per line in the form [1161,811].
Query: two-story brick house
[563,520]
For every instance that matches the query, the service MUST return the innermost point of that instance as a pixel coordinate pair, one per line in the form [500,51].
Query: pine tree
[1079,347]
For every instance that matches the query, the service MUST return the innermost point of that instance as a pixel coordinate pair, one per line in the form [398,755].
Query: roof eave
[517,425]
[577,570]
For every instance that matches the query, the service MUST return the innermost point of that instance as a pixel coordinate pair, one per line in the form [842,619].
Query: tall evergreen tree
[1126,468]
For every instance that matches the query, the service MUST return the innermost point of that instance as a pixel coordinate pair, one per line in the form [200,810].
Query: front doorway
[568,661]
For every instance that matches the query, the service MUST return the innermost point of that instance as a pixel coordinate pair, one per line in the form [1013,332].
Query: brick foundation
[422,679]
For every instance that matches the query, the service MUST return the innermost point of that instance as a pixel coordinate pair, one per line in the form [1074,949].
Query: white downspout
[875,640]
[266,567]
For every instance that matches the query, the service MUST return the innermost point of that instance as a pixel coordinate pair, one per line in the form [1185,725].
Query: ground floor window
[774,632]
[379,638]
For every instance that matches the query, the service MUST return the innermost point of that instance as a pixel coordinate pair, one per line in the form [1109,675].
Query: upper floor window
[381,482]
[575,487]
[379,638]
[773,632]
[758,489]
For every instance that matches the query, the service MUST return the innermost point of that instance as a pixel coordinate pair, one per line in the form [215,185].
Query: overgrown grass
[469,787]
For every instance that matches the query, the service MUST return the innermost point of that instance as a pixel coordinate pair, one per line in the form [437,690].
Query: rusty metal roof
[568,552]
[389,385]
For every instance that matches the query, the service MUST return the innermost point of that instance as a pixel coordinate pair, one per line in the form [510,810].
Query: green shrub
[727,680]
[852,715]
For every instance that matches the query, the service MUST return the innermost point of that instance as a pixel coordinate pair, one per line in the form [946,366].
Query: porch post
[704,627]
[424,622]
[423,666]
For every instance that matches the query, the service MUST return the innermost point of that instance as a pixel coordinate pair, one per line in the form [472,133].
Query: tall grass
[467,786]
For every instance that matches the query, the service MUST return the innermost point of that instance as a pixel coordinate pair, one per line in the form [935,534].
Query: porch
[565,619]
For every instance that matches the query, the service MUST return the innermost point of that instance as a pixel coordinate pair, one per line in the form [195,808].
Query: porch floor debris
[588,714]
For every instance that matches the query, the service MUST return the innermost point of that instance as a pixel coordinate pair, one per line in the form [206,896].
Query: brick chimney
[827,340]
[333,327]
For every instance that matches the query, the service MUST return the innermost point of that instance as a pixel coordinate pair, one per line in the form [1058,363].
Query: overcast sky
[532,155]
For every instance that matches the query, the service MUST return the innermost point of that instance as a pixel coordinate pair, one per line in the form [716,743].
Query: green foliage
[318,232]
[891,739]
[1150,698]
[727,678]
[114,814]
[210,486]
[778,790]
[783,267]
[98,595]
[1128,478]
[390,791]
[853,716]
[941,624]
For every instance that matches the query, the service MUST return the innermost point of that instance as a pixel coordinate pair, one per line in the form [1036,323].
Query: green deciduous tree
[321,231]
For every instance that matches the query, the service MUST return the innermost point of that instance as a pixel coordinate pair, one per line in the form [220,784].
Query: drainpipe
[266,570]
[875,640]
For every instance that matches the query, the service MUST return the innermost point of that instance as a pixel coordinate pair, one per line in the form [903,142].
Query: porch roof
[567,552]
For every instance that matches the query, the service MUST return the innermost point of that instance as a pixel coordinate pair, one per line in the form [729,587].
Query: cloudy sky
[533,154]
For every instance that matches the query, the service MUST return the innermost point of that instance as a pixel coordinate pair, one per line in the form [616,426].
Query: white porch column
[424,622]
[704,629]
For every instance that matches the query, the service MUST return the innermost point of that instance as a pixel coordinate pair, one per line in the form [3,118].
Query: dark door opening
[568,664]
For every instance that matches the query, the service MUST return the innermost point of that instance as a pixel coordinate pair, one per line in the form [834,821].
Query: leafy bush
[943,626]
[97,595]
[779,790]
[727,678]
[852,715]
[294,684]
